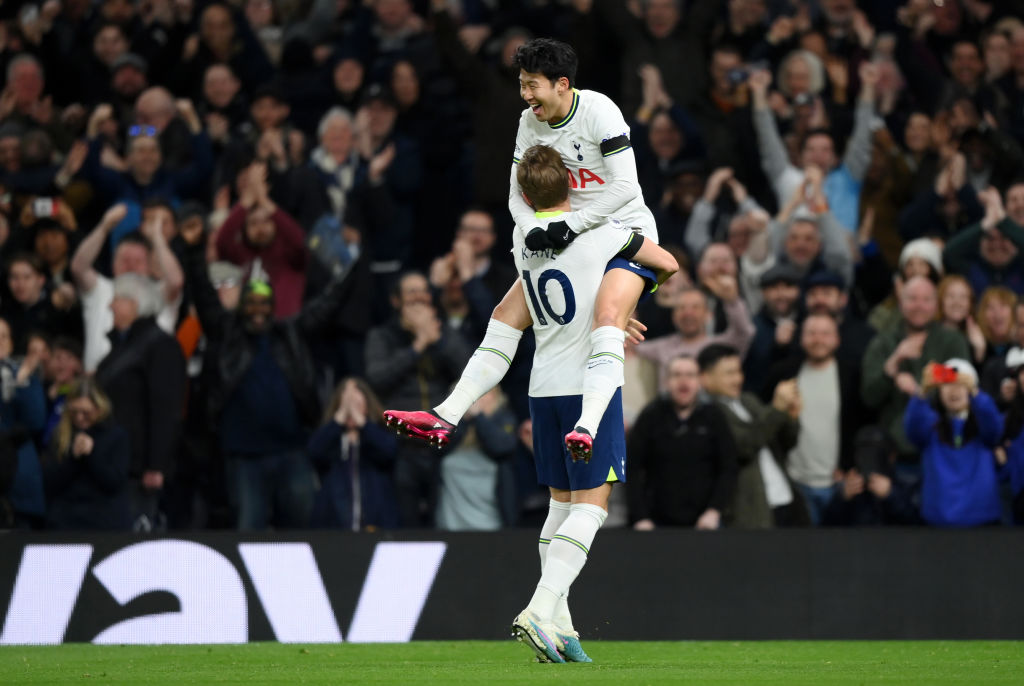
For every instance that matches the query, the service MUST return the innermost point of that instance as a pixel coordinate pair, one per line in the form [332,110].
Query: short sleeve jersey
[560,289]
[593,131]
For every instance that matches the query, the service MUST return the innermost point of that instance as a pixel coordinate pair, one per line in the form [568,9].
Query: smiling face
[690,315]
[819,337]
[548,100]
[956,303]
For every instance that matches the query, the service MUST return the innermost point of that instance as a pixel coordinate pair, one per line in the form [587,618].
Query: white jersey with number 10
[560,289]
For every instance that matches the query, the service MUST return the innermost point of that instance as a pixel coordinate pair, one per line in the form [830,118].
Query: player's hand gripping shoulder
[557,236]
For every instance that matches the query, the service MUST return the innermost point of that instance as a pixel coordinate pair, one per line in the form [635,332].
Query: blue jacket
[25,415]
[171,185]
[959,486]
[369,466]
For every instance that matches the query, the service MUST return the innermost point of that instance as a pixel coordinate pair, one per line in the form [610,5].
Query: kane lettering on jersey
[560,289]
[591,135]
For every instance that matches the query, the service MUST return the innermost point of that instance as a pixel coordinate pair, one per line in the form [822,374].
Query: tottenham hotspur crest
[579,155]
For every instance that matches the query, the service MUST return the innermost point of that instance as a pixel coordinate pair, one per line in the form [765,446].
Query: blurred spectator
[663,134]
[826,293]
[225,37]
[22,418]
[1013,438]
[223,105]
[144,375]
[722,113]
[997,321]
[391,159]
[52,245]
[944,209]
[763,434]
[176,124]
[262,395]
[355,456]
[956,308]
[870,494]
[988,253]
[470,472]
[496,105]
[145,173]
[673,485]
[59,372]
[31,308]
[663,35]
[147,255]
[831,412]
[896,358]
[776,325]
[843,179]
[87,472]
[919,257]
[956,431]
[709,221]
[23,102]
[468,268]
[261,237]
[411,362]
[692,319]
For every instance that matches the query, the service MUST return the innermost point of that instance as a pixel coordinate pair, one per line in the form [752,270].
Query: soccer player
[562,286]
[592,138]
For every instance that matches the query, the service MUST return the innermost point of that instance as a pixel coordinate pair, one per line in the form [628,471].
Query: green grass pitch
[487,662]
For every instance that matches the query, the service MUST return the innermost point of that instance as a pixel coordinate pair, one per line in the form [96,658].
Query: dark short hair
[554,59]
[819,132]
[711,355]
[137,238]
[68,345]
[29,258]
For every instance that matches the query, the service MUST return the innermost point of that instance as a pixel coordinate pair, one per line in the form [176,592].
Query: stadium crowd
[232,233]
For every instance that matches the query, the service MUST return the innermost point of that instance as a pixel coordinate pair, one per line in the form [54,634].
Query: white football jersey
[560,289]
[593,130]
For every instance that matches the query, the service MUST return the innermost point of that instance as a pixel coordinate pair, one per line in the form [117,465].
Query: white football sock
[557,514]
[483,372]
[567,553]
[604,374]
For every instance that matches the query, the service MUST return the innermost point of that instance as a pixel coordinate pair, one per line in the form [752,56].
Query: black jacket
[679,468]
[144,375]
[91,491]
[852,412]
[231,350]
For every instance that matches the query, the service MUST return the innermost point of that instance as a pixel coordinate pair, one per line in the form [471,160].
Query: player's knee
[608,315]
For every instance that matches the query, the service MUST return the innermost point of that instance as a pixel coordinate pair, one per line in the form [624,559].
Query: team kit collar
[572,111]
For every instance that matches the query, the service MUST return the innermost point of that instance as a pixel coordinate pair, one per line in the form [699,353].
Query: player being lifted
[579,489]
[592,138]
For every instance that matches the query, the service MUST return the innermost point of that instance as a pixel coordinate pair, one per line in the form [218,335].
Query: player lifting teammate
[561,321]
[592,138]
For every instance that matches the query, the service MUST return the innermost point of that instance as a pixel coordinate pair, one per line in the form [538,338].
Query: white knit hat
[963,368]
[925,249]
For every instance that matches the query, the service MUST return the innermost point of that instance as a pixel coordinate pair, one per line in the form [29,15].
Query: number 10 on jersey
[544,305]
